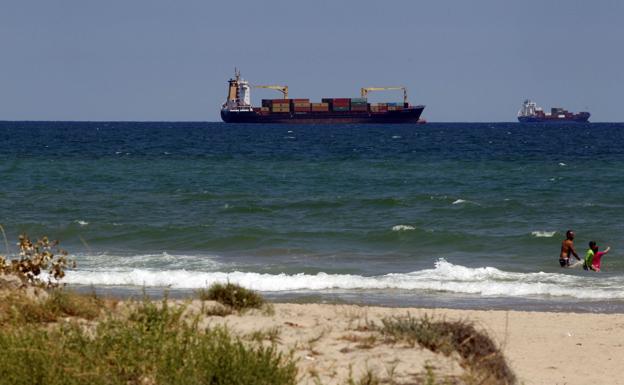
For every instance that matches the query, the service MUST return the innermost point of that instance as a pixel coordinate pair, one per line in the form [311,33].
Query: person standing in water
[567,248]
[589,256]
[597,256]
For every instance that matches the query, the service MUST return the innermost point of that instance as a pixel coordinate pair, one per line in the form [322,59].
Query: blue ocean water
[460,215]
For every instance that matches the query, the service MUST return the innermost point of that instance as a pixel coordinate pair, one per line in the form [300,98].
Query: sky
[170,60]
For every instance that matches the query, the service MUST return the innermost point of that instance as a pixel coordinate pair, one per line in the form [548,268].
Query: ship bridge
[239,94]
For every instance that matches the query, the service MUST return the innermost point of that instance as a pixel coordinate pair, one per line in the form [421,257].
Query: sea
[455,215]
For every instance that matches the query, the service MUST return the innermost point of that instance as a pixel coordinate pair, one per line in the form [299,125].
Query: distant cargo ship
[532,113]
[238,109]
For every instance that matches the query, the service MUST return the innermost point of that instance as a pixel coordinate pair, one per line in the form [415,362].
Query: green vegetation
[477,352]
[232,295]
[154,344]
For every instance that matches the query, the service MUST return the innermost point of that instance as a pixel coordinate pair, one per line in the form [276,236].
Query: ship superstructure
[530,112]
[238,108]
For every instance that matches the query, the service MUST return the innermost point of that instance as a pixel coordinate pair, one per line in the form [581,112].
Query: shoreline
[386,300]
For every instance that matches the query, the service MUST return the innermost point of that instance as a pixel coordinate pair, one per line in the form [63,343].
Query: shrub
[232,295]
[154,345]
[476,350]
[35,258]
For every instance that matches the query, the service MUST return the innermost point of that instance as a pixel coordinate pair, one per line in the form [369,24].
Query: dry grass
[18,307]
[272,335]
[478,353]
[217,311]
[34,258]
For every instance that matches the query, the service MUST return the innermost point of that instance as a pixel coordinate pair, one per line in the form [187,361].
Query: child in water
[593,257]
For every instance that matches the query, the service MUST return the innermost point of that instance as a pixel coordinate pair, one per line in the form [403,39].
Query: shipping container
[336,100]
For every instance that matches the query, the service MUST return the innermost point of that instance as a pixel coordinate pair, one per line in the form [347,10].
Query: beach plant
[477,351]
[154,344]
[19,307]
[233,295]
[35,258]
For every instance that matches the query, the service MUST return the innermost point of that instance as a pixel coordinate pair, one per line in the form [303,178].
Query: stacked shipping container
[301,105]
[338,104]
[320,107]
[277,105]
[359,104]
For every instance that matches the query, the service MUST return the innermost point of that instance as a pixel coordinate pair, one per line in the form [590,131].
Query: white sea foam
[445,277]
[164,261]
[81,222]
[562,164]
[464,201]
[403,228]
[543,234]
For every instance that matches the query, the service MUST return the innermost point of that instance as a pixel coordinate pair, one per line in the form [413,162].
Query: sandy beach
[332,342]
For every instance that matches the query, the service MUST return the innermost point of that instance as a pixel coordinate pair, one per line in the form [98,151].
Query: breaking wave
[444,277]
[403,228]
[543,234]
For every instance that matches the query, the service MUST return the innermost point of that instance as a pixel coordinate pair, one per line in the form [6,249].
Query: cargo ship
[532,113]
[238,109]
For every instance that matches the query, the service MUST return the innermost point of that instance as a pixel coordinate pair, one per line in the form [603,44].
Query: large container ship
[238,109]
[532,113]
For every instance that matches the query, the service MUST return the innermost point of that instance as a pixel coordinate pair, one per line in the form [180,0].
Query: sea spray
[444,277]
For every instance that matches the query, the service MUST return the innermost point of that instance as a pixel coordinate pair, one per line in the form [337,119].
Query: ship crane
[282,89]
[366,90]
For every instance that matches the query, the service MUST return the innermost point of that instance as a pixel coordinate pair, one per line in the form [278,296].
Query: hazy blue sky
[170,60]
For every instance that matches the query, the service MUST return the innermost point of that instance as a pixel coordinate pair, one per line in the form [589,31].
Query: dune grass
[154,344]
[232,295]
[478,353]
[18,307]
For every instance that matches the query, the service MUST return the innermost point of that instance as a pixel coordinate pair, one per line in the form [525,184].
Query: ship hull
[404,116]
[577,118]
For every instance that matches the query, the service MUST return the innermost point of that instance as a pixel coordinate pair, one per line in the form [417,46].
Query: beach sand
[333,343]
